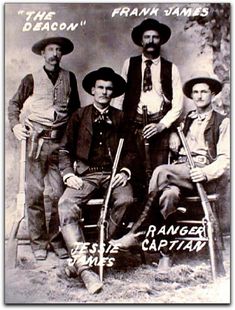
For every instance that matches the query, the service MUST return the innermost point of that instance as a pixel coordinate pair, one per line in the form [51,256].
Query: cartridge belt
[201,159]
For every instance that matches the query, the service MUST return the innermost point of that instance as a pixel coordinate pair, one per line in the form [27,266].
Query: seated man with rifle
[203,157]
[91,142]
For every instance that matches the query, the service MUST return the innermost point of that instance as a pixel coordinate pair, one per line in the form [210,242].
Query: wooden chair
[191,213]
[91,229]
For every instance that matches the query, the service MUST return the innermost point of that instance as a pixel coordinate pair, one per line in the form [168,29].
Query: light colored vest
[49,103]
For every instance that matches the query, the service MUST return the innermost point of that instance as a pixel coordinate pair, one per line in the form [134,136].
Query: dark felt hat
[66,44]
[150,24]
[202,77]
[106,74]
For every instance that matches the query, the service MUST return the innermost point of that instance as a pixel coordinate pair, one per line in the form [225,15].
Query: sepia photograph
[117,153]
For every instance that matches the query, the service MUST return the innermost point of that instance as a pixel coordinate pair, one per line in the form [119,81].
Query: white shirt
[197,144]
[153,99]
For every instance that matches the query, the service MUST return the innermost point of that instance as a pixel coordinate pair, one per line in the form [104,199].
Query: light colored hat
[66,44]
[202,77]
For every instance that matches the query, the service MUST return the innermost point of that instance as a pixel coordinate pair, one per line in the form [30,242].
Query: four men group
[75,147]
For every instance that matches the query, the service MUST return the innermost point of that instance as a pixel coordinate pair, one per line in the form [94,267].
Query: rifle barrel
[212,225]
[104,209]
[148,169]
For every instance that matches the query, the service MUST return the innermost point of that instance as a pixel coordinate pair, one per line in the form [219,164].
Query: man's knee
[69,212]
[159,173]
[160,170]
[124,200]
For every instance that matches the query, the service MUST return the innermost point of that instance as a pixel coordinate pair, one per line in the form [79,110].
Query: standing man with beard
[52,96]
[153,82]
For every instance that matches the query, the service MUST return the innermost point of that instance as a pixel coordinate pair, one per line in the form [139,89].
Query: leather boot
[145,217]
[72,234]
[73,237]
[131,238]
[127,241]
[91,281]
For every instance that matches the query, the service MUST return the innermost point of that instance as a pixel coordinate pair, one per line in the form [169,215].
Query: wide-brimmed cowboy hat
[66,44]
[202,77]
[106,74]
[150,24]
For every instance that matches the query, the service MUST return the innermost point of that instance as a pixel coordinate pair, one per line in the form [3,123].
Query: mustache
[54,58]
[150,45]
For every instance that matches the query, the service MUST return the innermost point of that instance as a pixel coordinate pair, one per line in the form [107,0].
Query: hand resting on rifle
[20,132]
[152,129]
[74,181]
[120,179]
[197,175]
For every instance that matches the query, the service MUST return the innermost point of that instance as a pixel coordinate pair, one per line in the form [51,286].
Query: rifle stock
[148,168]
[11,250]
[215,248]
[104,209]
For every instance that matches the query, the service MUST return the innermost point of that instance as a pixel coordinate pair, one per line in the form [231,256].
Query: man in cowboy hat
[207,134]
[51,95]
[154,82]
[91,142]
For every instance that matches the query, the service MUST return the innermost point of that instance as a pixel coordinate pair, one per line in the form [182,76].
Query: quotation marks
[20,12]
[83,23]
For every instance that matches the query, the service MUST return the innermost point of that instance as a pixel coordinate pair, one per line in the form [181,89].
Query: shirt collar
[200,116]
[55,71]
[155,61]
[206,115]
[101,110]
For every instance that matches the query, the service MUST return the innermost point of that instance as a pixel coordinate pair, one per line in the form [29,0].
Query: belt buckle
[53,134]
[200,159]
[182,159]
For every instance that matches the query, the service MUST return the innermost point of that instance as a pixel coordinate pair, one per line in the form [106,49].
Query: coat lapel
[87,119]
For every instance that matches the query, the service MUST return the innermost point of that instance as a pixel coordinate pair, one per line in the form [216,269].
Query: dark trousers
[158,152]
[73,201]
[36,171]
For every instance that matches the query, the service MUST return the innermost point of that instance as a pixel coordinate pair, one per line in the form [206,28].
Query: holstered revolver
[35,144]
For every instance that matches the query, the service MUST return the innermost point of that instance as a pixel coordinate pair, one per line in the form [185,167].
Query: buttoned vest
[49,103]
[211,133]
[133,88]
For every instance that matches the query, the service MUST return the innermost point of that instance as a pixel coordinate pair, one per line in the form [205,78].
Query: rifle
[216,255]
[148,168]
[11,250]
[103,212]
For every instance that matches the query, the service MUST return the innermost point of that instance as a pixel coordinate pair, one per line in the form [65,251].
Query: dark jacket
[78,140]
